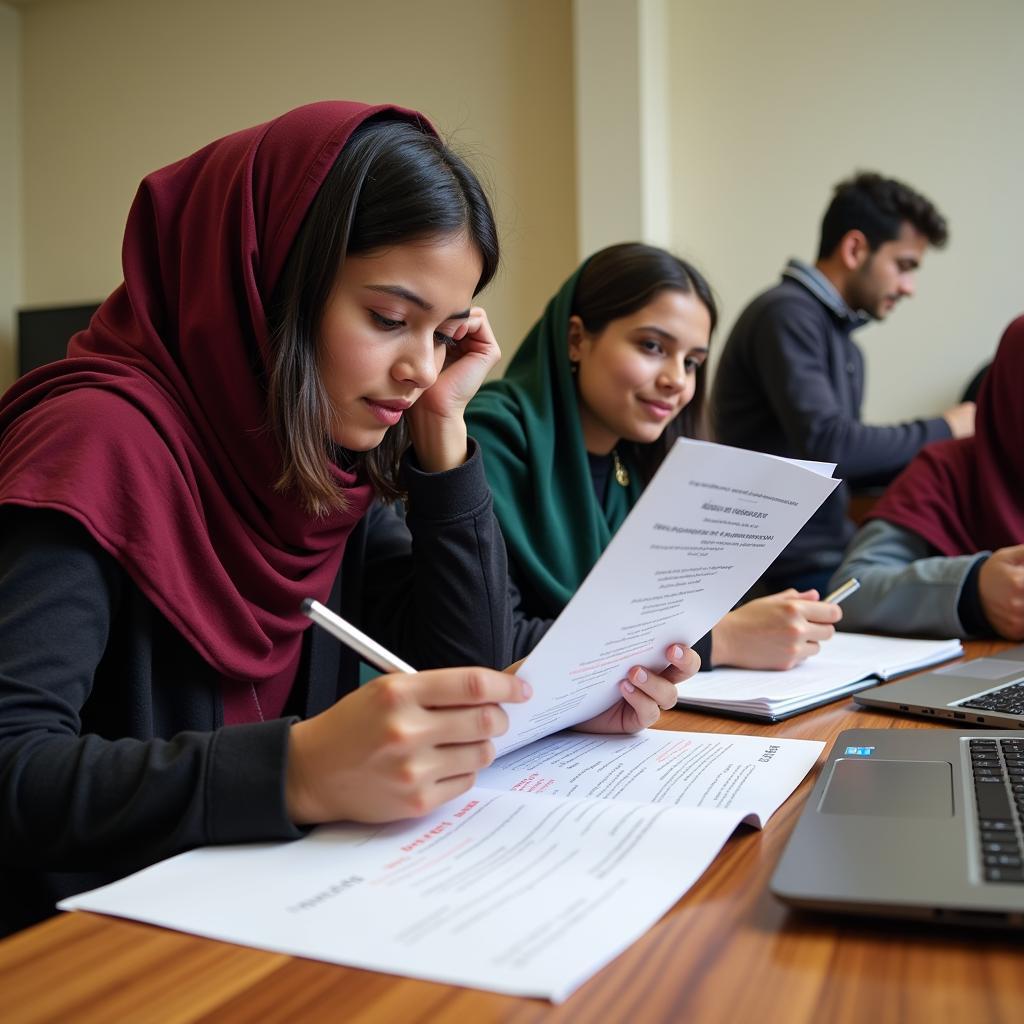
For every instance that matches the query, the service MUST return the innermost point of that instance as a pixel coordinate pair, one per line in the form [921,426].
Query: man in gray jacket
[791,378]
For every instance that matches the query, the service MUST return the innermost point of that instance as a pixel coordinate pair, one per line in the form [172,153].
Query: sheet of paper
[844,660]
[821,468]
[526,886]
[707,526]
[685,769]
[517,893]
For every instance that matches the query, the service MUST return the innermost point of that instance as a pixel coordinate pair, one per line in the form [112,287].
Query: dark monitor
[44,332]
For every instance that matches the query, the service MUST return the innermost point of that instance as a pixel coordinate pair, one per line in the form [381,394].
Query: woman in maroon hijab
[296,312]
[943,553]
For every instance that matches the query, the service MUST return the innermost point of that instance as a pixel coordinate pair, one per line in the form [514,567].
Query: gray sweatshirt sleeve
[905,588]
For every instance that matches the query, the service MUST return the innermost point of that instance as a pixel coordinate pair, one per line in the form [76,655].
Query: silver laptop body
[978,692]
[916,823]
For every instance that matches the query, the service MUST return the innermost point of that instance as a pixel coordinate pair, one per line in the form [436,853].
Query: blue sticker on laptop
[859,751]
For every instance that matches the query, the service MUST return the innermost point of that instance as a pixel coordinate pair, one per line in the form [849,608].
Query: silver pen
[365,646]
[842,592]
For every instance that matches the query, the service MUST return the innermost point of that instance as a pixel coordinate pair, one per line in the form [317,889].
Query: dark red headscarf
[153,432]
[968,495]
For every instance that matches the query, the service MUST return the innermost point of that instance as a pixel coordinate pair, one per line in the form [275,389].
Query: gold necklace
[621,473]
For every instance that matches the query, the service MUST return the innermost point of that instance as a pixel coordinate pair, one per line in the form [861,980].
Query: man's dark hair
[394,182]
[878,207]
[618,281]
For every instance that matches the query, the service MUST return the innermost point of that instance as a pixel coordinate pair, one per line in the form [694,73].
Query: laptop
[987,691]
[915,823]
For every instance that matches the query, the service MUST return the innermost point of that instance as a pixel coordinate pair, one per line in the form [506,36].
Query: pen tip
[307,603]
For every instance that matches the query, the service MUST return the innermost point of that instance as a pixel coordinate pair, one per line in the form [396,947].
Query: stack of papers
[846,663]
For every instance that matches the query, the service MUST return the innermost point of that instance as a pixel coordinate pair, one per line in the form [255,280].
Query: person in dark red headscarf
[220,443]
[943,551]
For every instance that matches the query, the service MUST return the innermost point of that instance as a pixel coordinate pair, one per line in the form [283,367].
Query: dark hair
[393,182]
[878,207]
[616,282]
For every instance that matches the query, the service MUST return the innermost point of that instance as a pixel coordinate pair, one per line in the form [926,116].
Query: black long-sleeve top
[113,752]
[790,382]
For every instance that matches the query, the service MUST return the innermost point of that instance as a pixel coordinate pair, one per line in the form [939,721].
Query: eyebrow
[652,329]
[416,300]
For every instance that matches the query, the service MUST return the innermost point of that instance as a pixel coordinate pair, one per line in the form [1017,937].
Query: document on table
[710,522]
[846,663]
[565,853]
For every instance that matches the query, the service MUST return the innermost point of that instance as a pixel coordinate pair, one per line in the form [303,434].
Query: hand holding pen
[398,746]
[779,631]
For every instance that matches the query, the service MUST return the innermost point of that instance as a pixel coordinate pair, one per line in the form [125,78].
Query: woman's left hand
[645,694]
[436,421]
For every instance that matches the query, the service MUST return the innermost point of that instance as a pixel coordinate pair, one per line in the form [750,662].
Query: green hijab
[528,427]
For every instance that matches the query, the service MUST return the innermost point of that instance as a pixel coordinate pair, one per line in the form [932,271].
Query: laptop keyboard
[1008,699]
[998,767]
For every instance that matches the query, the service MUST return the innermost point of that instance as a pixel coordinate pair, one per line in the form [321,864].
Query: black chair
[971,391]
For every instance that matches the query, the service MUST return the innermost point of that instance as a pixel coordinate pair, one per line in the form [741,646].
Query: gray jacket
[905,587]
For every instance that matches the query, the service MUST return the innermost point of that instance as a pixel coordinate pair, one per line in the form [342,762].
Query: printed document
[704,530]
[565,853]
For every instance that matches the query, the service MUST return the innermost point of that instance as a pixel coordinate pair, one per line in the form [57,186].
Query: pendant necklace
[621,473]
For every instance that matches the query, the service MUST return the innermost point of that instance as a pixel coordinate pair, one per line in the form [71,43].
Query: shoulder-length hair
[394,182]
[616,282]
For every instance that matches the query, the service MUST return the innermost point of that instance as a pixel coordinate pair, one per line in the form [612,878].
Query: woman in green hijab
[602,386]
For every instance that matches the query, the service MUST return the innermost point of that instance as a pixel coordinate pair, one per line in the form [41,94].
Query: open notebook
[848,662]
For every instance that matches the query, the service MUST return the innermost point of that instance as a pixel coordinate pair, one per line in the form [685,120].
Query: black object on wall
[44,332]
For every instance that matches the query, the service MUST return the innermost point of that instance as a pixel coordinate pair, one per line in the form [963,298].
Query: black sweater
[113,752]
[790,382]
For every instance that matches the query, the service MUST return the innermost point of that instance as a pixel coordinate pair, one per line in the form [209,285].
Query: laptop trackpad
[904,789]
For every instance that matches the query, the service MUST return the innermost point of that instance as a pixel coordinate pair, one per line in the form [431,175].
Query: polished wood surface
[728,951]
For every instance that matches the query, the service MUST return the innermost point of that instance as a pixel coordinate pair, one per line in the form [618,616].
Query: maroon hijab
[968,495]
[153,432]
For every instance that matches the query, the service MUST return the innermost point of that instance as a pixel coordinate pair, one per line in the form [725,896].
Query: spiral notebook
[846,663]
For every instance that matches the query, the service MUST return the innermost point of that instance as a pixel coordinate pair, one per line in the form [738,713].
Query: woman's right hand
[399,746]
[436,423]
[775,632]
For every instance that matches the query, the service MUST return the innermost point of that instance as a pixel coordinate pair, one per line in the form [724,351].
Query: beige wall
[769,106]
[774,103]
[115,88]
[10,186]
[623,185]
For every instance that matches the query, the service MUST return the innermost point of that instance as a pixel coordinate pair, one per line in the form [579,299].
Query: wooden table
[728,951]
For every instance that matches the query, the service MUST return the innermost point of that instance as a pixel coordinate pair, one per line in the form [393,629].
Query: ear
[576,335]
[853,249]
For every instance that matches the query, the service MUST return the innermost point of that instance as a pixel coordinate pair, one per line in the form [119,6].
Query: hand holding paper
[709,523]
[645,694]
